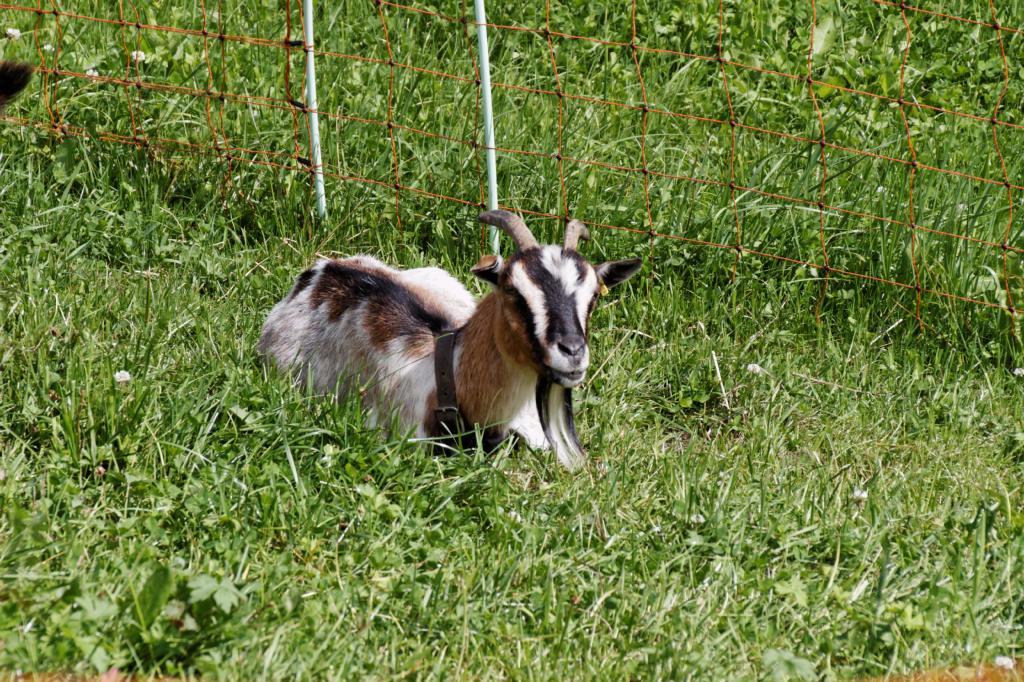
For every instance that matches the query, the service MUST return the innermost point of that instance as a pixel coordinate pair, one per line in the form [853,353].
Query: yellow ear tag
[603,290]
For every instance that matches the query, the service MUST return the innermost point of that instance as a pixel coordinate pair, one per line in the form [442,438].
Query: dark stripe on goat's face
[392,310]
[523,309]
[561,307]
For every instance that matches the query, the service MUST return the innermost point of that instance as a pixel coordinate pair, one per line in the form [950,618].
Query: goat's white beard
[554,408]
[527,425]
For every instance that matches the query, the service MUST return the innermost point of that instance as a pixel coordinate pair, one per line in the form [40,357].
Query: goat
[357,324]
[14,76]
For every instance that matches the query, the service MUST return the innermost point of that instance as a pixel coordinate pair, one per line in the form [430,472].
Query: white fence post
[485,88]
[314,118]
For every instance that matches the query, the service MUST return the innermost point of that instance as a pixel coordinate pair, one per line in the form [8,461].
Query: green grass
[208,519]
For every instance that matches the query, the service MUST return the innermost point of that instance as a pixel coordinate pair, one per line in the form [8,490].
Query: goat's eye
[510,290]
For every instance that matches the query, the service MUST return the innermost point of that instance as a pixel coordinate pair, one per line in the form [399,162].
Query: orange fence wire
[215,94]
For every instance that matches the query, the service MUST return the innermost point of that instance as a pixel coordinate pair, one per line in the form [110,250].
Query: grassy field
[846,501]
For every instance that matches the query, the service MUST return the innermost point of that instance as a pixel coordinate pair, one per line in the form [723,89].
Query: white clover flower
[47,47]
[656,529]
[697,519]
[1004,662]
[860,495]
[880,189]
[514,515]
[13,33]
[755,368]
[92,72]
[122,376]
[1018,372]
[138,56]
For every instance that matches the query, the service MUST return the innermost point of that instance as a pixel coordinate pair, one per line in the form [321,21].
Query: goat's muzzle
[567,379]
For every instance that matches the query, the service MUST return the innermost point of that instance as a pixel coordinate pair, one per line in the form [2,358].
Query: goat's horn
[574,232]
[513,225]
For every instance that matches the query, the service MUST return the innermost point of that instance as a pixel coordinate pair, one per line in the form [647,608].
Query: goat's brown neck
[496,374]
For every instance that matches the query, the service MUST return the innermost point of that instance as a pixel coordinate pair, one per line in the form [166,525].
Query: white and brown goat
[357,324]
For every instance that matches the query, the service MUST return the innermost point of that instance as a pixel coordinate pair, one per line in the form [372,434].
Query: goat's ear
[615,272]
[488,269]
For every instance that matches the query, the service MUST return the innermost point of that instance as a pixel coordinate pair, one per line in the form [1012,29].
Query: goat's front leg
[527,425]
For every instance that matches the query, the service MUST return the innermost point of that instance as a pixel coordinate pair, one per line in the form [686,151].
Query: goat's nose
[572,346]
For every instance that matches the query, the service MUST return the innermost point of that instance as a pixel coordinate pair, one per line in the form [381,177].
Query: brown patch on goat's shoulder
[479,359]
[489,352]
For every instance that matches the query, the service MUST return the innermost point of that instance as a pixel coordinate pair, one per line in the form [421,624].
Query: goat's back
[356,322]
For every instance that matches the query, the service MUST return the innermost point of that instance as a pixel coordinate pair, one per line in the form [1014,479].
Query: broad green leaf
[822,34]
[783,665]
[201,587]
[794,588]
[154,595]
[227,596]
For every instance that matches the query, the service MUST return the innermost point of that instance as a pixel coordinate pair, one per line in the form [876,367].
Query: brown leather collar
[449,417]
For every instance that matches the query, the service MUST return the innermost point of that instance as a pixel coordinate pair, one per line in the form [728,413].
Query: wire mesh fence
[855,144]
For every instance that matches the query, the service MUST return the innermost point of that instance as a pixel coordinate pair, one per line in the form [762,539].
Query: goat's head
[548,293]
